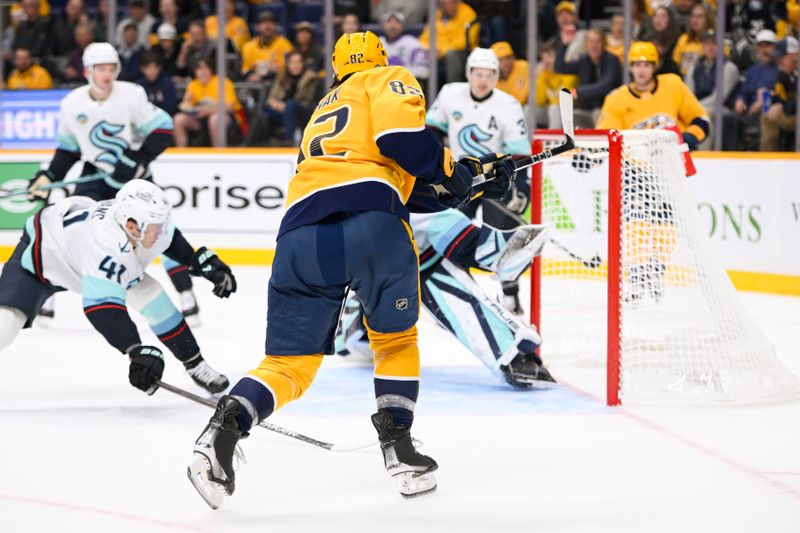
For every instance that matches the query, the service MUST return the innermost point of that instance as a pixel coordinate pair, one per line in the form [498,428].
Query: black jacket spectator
[161,92]
[597,79]
[34,33]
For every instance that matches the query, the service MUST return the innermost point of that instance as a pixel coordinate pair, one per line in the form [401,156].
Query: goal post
[628,279]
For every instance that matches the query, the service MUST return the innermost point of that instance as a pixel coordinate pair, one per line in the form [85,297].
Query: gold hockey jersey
[670,102]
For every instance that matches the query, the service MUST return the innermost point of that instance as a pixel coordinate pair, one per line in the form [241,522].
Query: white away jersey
[496,124]
[101,130]
[76,244]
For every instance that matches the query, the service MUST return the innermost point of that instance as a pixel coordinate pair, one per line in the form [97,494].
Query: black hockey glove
[206,263]
[128,167]
[41,178]
[503,172]
[147,367]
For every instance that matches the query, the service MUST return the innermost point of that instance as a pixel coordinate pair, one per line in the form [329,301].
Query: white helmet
[483,58]
[144,202]
[99,54]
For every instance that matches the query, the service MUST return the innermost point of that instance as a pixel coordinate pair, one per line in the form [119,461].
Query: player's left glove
[128,167]
[206,263]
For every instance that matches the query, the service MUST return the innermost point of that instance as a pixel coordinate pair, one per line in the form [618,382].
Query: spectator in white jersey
[404,49]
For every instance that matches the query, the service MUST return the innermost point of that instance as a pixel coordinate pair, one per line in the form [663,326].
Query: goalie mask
[143,202]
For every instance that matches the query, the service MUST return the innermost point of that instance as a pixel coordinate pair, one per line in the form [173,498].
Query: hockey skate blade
[413,485]
[213,493]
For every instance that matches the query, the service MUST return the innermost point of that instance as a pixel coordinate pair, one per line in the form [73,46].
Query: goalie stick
[521,163]
[266,425]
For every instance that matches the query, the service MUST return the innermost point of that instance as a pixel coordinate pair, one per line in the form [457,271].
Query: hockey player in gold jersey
[652,101]
[365,158]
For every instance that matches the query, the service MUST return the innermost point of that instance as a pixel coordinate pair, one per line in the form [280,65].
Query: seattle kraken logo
[470,139]
[103,137]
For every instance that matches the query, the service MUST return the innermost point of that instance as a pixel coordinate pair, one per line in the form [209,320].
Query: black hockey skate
[526,371]
[211,472]
[413,471]
[205,376]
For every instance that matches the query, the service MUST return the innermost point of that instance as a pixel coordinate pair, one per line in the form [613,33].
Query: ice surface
[81,450]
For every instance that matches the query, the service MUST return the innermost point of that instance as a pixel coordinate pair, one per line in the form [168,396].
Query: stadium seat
[279,10]
[310,11]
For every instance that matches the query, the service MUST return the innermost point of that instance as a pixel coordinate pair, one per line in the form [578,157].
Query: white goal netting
[684,335]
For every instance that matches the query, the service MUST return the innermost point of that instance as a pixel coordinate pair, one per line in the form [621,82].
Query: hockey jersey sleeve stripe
[91,302]
[114,323]
[67,142]
[175,333]
[699,128]
[101,289]
[92,309]
[162,121]
[436,124]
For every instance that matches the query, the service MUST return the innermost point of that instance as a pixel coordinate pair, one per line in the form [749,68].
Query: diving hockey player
[649,102]
[113,128]
[479,119]
[449,246]
[100,250]
[346,228]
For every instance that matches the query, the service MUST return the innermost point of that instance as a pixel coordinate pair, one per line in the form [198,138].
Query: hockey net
[628,279]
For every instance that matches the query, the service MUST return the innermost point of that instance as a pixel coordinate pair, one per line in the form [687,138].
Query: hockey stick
[97,176]
[266,425]
[594,262]
[565,107]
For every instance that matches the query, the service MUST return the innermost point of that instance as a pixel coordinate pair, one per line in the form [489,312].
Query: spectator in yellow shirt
[548,84]
[27,74]
[513,72]
[235,28]
[264,56]
[452,47]
[690,46]
[198,109]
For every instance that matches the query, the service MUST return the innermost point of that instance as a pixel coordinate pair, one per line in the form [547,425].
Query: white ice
[81,450]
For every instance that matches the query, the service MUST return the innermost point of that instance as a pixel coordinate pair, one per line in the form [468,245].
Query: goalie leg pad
[481,324]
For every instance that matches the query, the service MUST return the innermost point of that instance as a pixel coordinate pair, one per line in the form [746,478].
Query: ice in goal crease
[659,312]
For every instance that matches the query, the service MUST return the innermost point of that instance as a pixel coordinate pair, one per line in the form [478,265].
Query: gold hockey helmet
[355,52]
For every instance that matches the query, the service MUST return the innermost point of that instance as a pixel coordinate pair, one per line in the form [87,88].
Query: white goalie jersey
[100,130]
[496,124]
[76,244]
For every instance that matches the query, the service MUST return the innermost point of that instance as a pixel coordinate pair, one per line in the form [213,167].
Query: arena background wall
[232,200]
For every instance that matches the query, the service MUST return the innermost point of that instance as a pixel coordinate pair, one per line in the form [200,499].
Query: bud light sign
[29,119]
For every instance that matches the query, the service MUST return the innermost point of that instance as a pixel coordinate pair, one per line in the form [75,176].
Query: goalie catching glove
[40,179]
[147,367]
[206,263]
[457,189]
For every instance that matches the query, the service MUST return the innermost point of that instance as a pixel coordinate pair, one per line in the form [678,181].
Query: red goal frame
[613,346]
